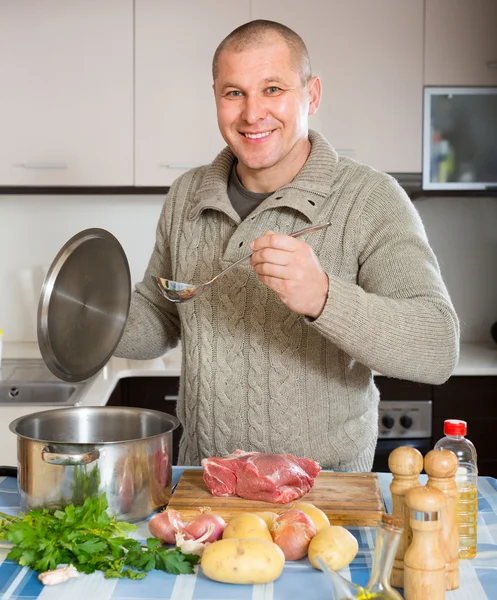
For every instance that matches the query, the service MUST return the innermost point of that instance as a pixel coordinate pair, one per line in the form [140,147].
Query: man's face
[262,106]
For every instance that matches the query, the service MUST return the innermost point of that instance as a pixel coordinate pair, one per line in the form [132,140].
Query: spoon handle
[297,233]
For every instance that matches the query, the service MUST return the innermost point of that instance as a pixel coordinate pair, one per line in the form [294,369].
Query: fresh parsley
[86,537]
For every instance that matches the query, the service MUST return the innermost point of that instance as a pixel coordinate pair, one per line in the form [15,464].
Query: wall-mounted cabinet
[369,56]
[66,72]
[119,93]
[460,42]
[175,113]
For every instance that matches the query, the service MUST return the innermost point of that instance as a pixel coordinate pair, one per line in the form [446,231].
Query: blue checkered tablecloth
[299,579]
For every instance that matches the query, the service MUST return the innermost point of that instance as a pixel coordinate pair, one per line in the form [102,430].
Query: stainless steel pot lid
[84,305]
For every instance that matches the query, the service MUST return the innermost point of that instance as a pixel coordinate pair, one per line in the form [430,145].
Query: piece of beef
[277,478]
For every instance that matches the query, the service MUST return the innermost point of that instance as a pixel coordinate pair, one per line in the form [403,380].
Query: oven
[402,423]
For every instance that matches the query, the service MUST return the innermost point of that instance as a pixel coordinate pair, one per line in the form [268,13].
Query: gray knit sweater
[259,377]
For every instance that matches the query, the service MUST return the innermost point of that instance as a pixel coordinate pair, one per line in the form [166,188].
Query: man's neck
[273,178]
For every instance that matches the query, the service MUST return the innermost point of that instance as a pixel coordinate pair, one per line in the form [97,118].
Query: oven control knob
[388,421]
[406,421]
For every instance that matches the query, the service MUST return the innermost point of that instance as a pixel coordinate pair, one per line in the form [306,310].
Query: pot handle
[58,458]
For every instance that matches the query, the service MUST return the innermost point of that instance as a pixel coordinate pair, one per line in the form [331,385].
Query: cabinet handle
[492,64]
[185,166]
[43,165]
[171,397]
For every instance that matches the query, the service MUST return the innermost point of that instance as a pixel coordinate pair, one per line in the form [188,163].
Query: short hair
[255,34]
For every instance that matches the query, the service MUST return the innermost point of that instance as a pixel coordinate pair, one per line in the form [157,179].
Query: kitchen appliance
[402,423]
[68,454]
[459,138]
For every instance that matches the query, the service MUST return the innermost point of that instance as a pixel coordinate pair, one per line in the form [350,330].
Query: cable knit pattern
[258,406]
[229,423]
[257,376]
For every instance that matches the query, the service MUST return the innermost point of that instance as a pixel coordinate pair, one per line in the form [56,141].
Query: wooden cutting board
[349,499]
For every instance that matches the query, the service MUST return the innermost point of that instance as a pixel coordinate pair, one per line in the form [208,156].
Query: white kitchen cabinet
[461,42]
[175,118]
[66,99]
[369,56]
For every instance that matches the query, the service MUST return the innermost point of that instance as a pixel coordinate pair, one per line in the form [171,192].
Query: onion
[165,525]
[292,532]
[199,526]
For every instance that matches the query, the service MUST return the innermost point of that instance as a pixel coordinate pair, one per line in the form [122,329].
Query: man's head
[256,34]
[264,93]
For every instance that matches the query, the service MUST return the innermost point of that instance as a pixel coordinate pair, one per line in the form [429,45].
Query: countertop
[478,576]
[476,359]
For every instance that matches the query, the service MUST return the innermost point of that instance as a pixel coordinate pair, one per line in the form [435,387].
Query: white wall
[33,230]
[462,231]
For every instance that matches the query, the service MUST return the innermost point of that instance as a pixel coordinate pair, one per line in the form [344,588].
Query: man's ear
[314,91]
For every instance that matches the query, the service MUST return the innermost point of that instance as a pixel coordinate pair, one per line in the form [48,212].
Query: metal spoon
[175,291]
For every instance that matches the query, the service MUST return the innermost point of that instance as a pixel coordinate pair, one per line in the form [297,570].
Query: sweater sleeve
[153,325]
[397,318]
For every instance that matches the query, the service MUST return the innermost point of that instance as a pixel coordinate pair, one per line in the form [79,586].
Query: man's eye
[234,94]
[272,89]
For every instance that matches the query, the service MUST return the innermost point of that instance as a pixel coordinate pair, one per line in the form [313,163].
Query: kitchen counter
[475,360]
[478,577]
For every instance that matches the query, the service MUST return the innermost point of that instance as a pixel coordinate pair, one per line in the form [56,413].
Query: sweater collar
[306,193]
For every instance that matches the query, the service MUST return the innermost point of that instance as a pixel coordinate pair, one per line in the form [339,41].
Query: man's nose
[254,109]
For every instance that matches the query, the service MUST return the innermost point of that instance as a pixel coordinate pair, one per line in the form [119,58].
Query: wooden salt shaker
[441,467]
[424,562]
[405,463]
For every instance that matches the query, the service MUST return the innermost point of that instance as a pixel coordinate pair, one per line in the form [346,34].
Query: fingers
[278,241]
[268,270]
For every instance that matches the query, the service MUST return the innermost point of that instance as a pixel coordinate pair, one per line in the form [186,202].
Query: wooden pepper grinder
[424,562]
[441,467]
[405,463]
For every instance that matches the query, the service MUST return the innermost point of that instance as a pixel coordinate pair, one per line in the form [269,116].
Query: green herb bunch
[86,537]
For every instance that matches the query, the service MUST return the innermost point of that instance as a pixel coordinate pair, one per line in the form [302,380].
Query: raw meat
[277,478]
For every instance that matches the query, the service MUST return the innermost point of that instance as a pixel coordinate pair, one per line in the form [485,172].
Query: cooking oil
[364,595]
[466,517]
[466,481]
[376,596]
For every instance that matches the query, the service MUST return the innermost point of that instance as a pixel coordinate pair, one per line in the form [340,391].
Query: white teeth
[254,136]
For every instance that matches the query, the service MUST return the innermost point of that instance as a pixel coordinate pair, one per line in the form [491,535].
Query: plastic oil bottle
[466,481]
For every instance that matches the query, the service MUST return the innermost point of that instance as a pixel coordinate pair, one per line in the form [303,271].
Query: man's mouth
[255,136]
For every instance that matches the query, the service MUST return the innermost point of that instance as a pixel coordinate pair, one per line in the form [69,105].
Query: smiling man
[264,93]
[278,355]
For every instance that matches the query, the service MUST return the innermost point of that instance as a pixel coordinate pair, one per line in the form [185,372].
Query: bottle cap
[455,427]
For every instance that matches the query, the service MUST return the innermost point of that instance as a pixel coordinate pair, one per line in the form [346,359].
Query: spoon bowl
[176,291]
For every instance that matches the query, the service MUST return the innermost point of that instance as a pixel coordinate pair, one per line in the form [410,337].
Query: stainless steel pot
[67,454]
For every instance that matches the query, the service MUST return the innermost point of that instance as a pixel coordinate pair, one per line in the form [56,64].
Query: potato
[318,517]
[247,525]
[269,517]
[242,561]
[335,546]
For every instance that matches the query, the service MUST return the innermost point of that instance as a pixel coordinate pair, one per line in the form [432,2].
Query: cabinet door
[369,56]
[402,390]
[175,118]
[66,72]
[461,42]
